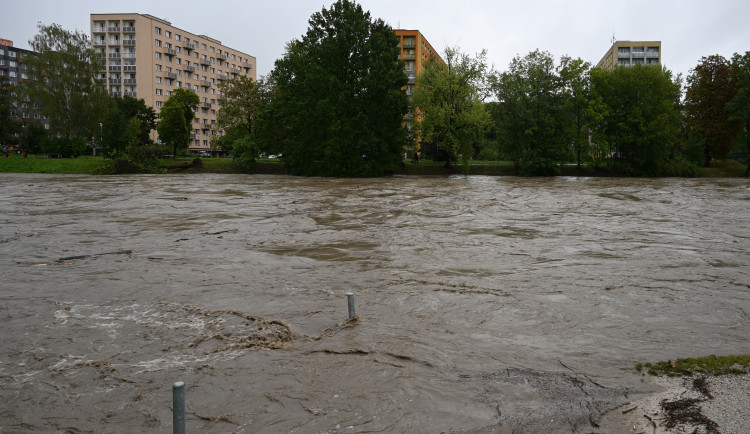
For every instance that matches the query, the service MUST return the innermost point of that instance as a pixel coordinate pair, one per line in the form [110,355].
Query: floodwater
[485,304]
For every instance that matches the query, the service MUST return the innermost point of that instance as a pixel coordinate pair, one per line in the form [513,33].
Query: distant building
[415,51]
[147,58]
[629,53]
[13,72]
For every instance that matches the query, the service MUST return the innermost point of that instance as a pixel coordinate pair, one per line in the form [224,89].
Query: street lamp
[100,137]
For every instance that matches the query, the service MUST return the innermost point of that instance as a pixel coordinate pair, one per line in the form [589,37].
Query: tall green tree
[710,88]
[340,97]
[174,127]
[9,124]
[61,82]
[639,118]
[577,111]
[531,114]
[241,117]
[116,124]
[449,98]
[739,105]
[173,130]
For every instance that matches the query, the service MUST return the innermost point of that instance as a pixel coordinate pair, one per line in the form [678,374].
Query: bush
[72,147]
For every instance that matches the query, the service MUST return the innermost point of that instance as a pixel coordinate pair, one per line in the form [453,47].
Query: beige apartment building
[148,58]
[629,53]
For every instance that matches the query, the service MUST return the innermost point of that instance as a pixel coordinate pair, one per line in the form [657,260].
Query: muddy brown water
[486,304]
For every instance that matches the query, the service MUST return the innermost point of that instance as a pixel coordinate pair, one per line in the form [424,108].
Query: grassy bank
[711,365]
[88,165]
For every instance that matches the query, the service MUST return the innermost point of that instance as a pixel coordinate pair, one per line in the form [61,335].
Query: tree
[61,82]
[709,90]
[176,118]
[133,108]
[340,99]
[449,98]
[739,105]
[9,124]
[172,128]
[639,117]
[574,77]
[240,119]
[531,114]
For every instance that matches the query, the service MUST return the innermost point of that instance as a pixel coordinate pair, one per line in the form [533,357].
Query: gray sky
[688,29]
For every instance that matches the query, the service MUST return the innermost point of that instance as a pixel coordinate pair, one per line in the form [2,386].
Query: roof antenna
[613,39]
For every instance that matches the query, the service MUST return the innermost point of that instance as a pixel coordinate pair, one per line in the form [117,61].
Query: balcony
[171,51]
[115,94]
[638,54]
[115,43]
[205,83]
[113,55]
[623,53]
[205,62]
[206,104]
[189,68]
[128,29]
[99,29]
[205,126]
[114,81]
[128,68]
[128,55]
[189,45]
[99,43]
[128,42]
[409,45]
[113,29]
[224,56]
[132,93]
[409,56]
[412,77]
[115,67]
[171,74]
[129,81]
[652,54]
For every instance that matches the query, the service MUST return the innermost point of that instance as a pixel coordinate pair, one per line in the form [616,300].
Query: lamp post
[100,137]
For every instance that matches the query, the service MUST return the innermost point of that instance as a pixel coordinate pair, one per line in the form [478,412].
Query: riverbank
[700,404]
[89,165]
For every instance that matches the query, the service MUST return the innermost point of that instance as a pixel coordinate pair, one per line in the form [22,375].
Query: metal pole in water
[178,408]
[350,299]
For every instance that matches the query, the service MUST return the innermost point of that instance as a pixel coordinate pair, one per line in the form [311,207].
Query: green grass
[712,365]
[723,169]
[16,163]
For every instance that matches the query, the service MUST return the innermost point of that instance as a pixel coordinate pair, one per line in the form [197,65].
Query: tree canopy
[449,98]
[739,105]
[710,88]
[176,118]
[340,99]
[61,82]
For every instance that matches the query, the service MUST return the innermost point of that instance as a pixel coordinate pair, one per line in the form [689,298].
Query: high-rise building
[415,52]
[629,53]
[13,72]
[148,58]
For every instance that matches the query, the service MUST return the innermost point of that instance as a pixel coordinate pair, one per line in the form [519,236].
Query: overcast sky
[688,29]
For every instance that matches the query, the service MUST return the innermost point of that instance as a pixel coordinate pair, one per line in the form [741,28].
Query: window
[169,93]
[233,57]
[13,64]
[157,30]
[158,91]
[158,67]
[212,50]
[159,104]
[168,34]
[179,61]
[176,37]
[158,79]
[12,53]
[157,42]
[203,46]
[158,55]
[170,82]
[11,73]
[195,88]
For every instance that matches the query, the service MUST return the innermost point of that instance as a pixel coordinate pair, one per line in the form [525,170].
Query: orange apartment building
[415,51]
[147,58]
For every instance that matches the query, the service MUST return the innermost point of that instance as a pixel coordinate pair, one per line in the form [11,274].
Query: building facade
[148,58]
[415,52]
[629,53]
[12,73]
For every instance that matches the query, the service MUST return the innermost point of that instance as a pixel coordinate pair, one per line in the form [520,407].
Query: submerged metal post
[178,408]
[350,299]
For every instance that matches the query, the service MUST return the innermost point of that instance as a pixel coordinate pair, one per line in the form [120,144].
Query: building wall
[148,58]
[629,53]
[416,51]
[13,72]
